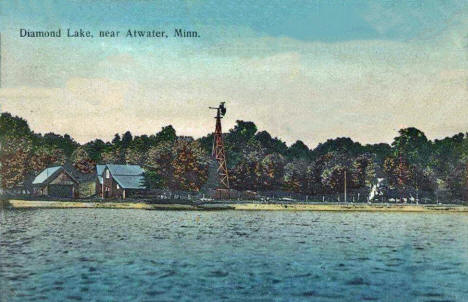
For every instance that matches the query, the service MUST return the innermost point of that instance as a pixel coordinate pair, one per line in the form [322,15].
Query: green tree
[15,153]
[82,161]
[159,162]
[13,126]
[398,172]
[141,143]
[167,134]
[190,166]
[117,141]
[413,146]
[206,143]
[95,149]
[313,177]
[379,151]
[272,171]
[298,150]
[339,145]
[65,143]
[457,181]
[333,178]
[333,172]
[113,155]
[127,139]
[152,179]
[358,170]
[246,174]
[271,145]
[242,132]
[45,156]
[237,140]
[134,156]
[295,176]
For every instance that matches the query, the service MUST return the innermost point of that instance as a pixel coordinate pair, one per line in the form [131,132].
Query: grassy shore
[243,206]
[353,207]
[23,204]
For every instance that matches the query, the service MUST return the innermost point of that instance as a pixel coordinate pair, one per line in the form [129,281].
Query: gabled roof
[127,176]
[100,169]
[130,181]
[125,170]
[46,174]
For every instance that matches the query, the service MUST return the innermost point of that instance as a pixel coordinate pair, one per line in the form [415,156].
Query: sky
[309,70]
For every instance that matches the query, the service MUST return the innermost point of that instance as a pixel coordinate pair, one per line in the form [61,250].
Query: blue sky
[322,20]
[307,70]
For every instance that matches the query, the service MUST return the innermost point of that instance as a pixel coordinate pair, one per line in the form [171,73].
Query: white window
[118,187]
[107,173]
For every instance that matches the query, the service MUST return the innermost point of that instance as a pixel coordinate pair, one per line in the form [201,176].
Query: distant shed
[56,182]
[119,181]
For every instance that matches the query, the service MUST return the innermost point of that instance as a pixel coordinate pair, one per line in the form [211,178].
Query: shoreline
[29,204]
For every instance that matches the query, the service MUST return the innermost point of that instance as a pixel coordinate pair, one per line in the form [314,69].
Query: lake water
[136,255]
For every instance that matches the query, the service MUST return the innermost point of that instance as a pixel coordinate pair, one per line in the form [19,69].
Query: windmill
[218,147]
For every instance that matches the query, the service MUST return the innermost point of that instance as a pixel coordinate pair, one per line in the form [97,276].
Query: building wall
[61,179]
[87,189]
[110,186]
[98,188]
[40,191]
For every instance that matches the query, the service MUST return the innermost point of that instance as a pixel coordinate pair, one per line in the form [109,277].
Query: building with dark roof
[119,181]
[56,182]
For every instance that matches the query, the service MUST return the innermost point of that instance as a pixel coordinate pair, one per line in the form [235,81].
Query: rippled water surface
[135,255]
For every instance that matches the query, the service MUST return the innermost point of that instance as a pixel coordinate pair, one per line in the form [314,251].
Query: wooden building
[119,181]
[56,182]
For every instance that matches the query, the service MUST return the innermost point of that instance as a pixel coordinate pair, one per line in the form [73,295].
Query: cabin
[119,181]
[56,182]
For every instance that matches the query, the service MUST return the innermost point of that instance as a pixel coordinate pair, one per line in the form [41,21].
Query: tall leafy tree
[272,171]
[95,149]
[127,139]
[398,172]
[167,134]
[133,156]
[340,144]
[117,141]
[190,166]
[65,142]
[359,169]
[15,153]
[412,144]
[45,156]
[298,150]
[295,174]
[272,145]
[335,165]
[82,161]
[113,155]
[13,126]
[242,132]
[246,174]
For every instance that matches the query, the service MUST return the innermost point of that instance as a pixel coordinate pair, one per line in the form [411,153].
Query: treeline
[177,163]
[411,166]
